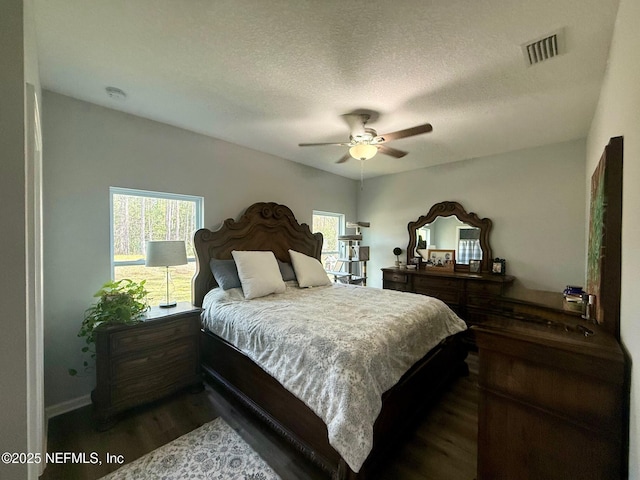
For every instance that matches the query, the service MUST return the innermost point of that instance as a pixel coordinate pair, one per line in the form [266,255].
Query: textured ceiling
[269,74]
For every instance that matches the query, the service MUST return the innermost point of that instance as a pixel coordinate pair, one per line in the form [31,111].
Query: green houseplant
[120,302]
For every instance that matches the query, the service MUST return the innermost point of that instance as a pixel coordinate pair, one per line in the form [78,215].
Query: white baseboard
[69,405]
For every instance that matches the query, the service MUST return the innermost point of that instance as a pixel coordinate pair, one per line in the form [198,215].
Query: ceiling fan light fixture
[363,151]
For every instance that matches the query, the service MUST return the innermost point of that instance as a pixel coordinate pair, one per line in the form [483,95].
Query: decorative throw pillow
[309,270]
[225,273]
[259,273]
[286,270]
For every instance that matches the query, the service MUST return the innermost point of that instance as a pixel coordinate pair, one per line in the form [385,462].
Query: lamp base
[168,305]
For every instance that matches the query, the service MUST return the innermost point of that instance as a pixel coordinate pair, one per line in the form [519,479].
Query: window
[330,225]
[468,241]
[424,238]
[138,216]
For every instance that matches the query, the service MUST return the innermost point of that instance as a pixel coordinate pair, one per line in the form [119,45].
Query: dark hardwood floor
[441,446]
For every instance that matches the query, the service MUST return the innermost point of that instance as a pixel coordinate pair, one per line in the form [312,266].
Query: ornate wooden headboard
[263,226]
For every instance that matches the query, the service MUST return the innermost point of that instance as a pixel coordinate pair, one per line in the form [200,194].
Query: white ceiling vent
[544,48]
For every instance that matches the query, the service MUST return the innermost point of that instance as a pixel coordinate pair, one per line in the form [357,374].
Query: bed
[273,227]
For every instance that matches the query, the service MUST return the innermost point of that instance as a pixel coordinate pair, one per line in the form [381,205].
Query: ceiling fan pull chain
[361,175]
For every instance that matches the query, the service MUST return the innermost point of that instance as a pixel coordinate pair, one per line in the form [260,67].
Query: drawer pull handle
[586,331]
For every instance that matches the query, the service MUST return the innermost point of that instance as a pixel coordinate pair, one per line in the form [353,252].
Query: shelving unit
[354,269]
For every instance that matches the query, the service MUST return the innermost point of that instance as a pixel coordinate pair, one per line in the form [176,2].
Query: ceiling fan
[364,142]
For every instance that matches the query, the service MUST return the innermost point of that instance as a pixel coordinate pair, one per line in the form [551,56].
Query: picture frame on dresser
[475,266]
[498,266]
[441,259]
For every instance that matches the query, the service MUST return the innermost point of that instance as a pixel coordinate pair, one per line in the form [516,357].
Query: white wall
[618,113]
[89,148]
[534,197]
[13,415]
[21,423]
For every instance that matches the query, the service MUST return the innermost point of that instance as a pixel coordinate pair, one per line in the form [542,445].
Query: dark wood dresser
[468,294]
[553,402]
[139,363]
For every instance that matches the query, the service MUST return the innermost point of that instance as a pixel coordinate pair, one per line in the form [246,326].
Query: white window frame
[199,220]
[459,229]
[427,233]
[341,222]
[341,228]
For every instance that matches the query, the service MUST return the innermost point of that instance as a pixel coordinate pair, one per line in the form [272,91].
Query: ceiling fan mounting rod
[368,136]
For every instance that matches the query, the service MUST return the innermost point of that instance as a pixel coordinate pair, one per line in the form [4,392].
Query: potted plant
[120,302]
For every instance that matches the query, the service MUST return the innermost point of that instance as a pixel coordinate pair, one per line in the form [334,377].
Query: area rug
[213,451]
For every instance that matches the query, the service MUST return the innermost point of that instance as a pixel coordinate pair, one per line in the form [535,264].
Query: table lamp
[166,253]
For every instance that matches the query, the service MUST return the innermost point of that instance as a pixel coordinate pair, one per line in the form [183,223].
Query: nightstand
[140,363]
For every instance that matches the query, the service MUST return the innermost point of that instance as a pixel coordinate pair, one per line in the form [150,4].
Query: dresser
[139,363]
[553,402]
[468,294]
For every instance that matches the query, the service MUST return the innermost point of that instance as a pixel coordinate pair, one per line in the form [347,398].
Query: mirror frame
[447,209]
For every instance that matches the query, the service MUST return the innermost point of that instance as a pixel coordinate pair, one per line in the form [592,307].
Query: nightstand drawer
[150,387]
[136,339]
[154,360]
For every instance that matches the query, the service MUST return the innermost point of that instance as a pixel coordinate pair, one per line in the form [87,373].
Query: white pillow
[309,270]
[259,273]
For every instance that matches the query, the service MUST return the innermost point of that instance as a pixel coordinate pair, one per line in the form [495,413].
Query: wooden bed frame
[270,226]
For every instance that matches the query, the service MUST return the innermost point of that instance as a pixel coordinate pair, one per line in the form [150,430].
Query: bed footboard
[295,422]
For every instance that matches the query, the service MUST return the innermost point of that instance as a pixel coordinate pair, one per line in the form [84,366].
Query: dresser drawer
[135,339]
[440,283]
[484,302]
[395,277]
[450,297]
[152,360]
[516,441]
[401,287]
[522,379]
[487,288]
[446,289]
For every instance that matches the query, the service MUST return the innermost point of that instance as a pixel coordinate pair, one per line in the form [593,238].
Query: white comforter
[337,348]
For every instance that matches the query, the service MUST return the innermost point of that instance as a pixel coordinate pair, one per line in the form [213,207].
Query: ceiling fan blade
[409,132]
[343,144]
[344,158]
[394,152]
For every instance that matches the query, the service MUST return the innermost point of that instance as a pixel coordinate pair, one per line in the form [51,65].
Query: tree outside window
[138,216]
[330,225]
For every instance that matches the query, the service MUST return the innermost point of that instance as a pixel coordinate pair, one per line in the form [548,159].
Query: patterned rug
[213,451]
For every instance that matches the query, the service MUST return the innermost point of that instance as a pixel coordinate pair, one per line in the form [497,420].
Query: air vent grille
[544,48]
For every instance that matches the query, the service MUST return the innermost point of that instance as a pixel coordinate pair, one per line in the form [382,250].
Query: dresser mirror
[448,226]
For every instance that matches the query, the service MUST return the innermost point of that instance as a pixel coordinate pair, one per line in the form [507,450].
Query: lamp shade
[165,253]
[363,151]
